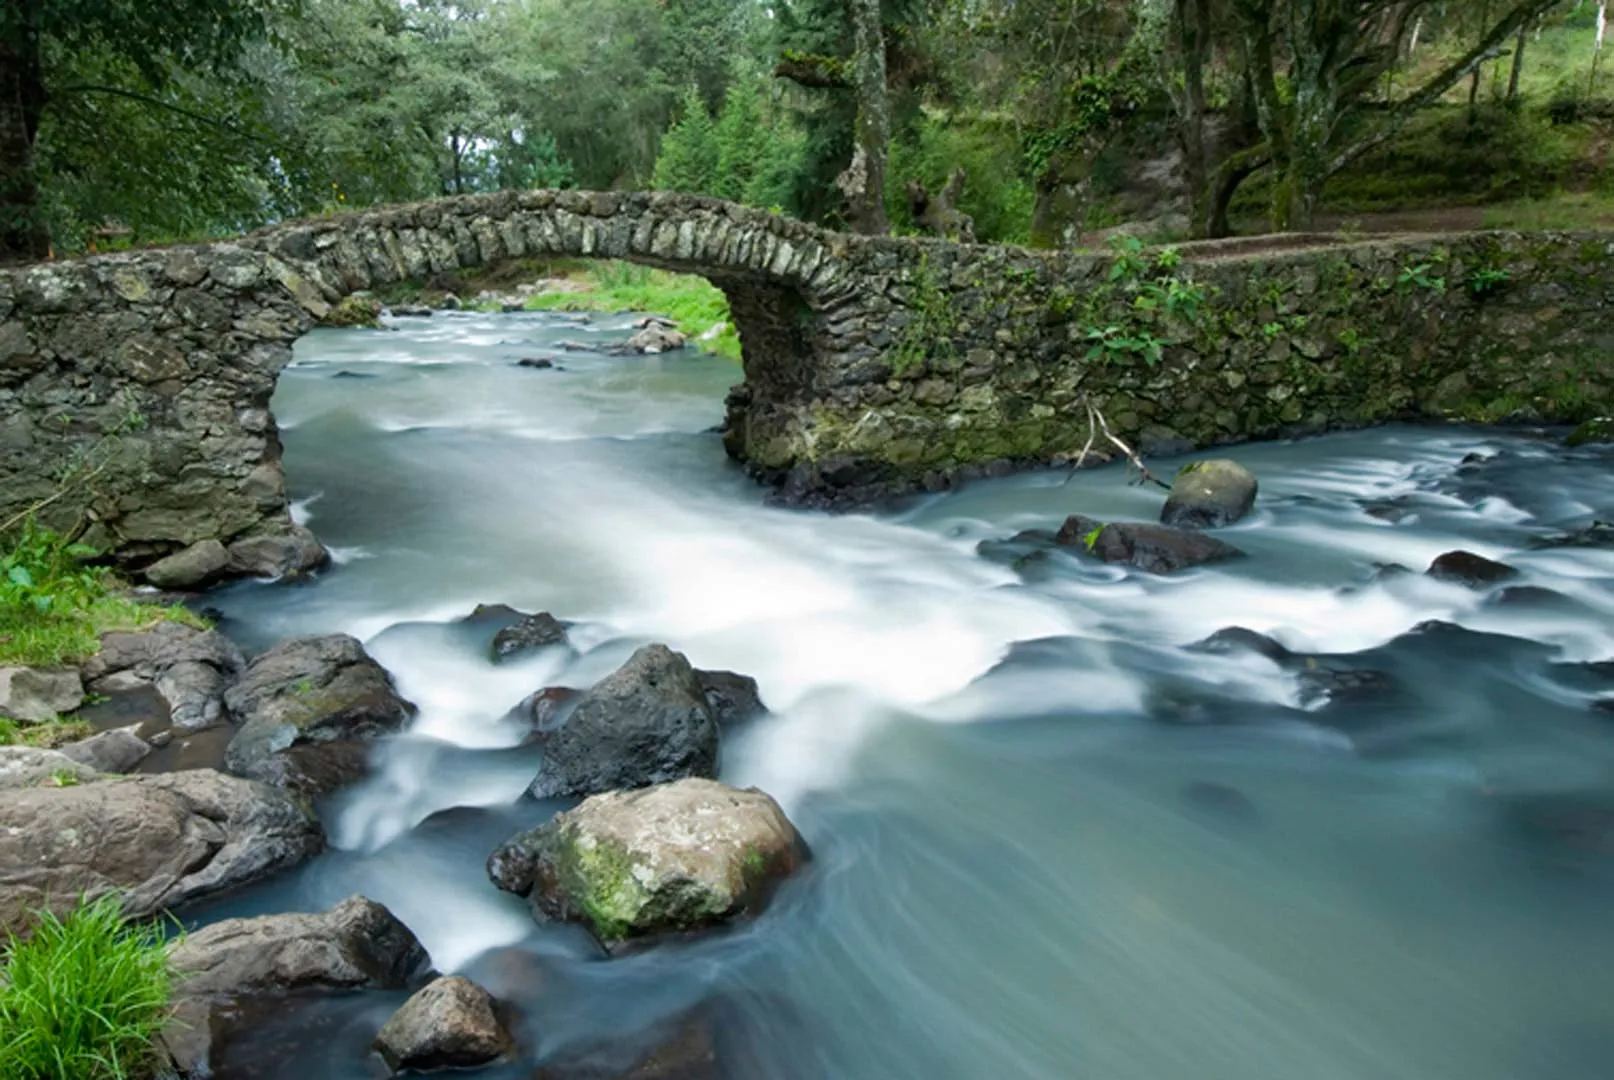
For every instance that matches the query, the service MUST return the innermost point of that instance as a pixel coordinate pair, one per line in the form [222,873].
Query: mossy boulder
[354,310]
[1157,549]
[674,858]
[1599,429]
[1209,494]
[309,709]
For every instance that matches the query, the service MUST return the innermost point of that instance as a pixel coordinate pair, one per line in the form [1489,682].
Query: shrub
[84,998]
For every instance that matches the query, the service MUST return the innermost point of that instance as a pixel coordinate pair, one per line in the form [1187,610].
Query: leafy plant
[84,997]
[1487,280]
[64,778]
[1422,276]
[1090,541]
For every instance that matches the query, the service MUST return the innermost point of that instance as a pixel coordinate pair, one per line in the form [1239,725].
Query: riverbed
[1051,839]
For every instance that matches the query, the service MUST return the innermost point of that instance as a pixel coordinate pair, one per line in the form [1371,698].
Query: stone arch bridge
[135,387]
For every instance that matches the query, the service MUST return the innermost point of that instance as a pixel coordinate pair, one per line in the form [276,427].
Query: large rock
[200,564]
[1209,494]
[451,1024]
[291,553]
[35,695]
[676,857]
[734,698]
[1159,549]
[656,338]
[308,709]
[1467,568]
[355,310]
[161,841]
[1599,429]
[647,723]
[115,751]
[530,633]
[29,766]
[189,668]
[358,944]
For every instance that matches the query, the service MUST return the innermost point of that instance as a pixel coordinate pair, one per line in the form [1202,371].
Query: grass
[84,997]
[46,736]
[1562,210]
[693,303]
[54,605]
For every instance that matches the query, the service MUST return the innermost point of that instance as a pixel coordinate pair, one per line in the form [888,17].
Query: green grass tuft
[46,736]
[694,303]
[84,997]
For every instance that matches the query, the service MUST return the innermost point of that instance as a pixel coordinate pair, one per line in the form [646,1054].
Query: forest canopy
[1030,121]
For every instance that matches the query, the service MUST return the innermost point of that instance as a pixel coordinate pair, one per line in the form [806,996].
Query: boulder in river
[161,841]
[734,698]
[530,633]
[647,723]
[540,362]
[1467,568]
[1158,549]
[1233,639]
[290,553]
[656,338]
[38,695]
[357,945]
[451,1024]
[1599,429]
[189,668]
[673,858]
[1209,494]
[115,751]
[309,708]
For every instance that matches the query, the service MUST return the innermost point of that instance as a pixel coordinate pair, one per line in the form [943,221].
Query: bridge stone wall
[135,388]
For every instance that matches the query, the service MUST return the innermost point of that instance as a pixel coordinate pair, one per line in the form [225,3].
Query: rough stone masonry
[135,387]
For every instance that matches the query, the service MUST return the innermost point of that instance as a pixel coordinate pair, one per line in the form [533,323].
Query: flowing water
[1050,840]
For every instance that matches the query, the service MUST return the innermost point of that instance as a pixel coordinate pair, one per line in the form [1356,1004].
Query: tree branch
[819,72]
[1431,91]
[211,121]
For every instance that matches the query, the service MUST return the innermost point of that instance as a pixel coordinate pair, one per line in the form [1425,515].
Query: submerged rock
[676,857]
[530,633]
[647,723]
[309,708]
[541,362]
[116,751]
[38,695]
[1209,494]
[1158,549]
[686,1049]
[160,841]
[1241,639]
[1467,568]
[411,311]
[451,1024]
[355,310]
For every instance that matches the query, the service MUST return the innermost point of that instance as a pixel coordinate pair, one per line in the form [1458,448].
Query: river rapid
[1050,840]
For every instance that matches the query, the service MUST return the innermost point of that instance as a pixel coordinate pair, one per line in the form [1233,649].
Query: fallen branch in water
[1096,424]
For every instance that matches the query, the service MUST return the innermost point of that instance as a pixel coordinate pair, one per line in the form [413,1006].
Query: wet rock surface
[450,1024]
[1209,495]
[308,710]
[162,841]
[676,857]
[647,723]
[1467,568]
[1157,549]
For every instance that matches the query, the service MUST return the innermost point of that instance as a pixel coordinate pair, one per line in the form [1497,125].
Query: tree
[155,39]
[689,153]
[1311,65]
[863,182]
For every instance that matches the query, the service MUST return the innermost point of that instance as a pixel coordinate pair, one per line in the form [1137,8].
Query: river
[1050,841]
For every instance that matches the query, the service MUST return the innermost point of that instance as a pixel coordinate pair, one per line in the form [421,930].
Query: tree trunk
[1193,35]
[864,181]
[1518,61]
[23,232]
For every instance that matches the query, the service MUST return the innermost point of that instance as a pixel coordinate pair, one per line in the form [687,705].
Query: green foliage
[64,778]
[1420,275]
[54,604]
[48,735]
[1488,279]
[929,333]
[1090,541]
[83,998]
[1151,290]
[693,303]
[996,196]
[689,150]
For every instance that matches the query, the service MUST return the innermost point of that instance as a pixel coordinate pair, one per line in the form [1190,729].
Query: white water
[1019,871]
